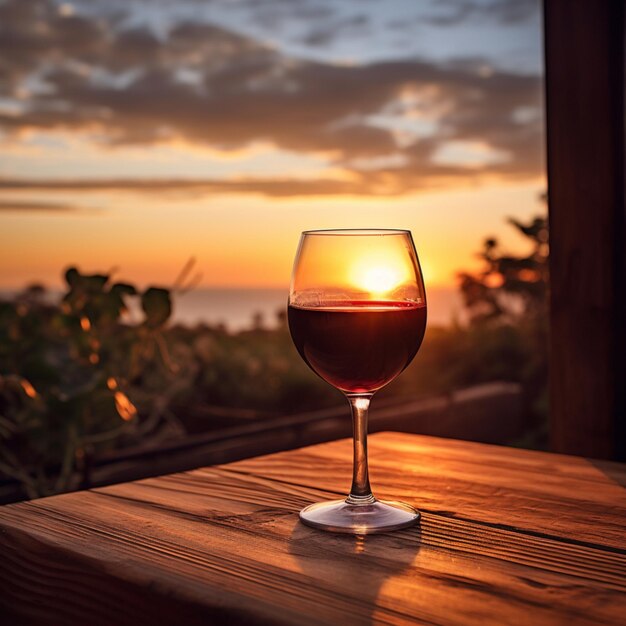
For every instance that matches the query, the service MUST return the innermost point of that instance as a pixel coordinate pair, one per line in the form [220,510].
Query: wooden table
[507,537]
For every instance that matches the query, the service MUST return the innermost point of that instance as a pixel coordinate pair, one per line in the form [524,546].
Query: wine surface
[356,346]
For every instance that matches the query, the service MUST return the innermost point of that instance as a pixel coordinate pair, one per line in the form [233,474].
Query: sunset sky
[135,134]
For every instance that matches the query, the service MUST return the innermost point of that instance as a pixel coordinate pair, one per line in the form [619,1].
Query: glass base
[359,518]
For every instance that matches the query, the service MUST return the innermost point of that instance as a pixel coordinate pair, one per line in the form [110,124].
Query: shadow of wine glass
[353,568]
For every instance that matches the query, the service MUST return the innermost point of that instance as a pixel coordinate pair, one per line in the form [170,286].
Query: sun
[379,280]
[378,276]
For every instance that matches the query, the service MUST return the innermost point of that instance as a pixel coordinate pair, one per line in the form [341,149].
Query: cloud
[505,12]
[33,32]
[204,84]
[18,206]
[368,182]
[335,28]
[277,187]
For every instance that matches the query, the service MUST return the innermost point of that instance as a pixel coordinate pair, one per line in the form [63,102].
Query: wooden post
[584,48]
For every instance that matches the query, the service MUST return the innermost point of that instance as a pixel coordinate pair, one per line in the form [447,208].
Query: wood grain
[223,545]
[533,492]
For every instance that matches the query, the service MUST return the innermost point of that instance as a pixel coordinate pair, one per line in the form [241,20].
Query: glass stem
[361,492]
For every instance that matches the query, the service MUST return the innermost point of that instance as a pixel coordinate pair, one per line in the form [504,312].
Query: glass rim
[358,231]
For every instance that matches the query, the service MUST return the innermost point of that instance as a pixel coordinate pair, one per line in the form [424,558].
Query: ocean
[237,308]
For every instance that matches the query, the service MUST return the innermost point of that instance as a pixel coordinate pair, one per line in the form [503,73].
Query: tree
[510,288]
[511,292]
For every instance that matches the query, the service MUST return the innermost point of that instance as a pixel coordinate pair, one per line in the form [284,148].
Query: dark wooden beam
[584,49]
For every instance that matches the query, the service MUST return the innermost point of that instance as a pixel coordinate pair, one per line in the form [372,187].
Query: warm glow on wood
[138,532]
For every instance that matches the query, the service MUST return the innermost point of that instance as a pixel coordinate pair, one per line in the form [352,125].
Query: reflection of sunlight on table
[359,544]
[394,591]
[368,567]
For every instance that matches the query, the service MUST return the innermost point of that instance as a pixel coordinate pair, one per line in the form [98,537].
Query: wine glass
[357,315]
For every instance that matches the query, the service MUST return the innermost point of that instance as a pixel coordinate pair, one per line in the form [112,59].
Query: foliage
[83,377]
[257,369]
[74,377]
[102,369]
[510,288]
[509,297]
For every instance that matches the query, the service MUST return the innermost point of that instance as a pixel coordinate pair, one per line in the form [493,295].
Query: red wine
[358,346]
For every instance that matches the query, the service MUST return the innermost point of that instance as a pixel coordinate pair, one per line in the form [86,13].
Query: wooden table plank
[542,493]
[223,545]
